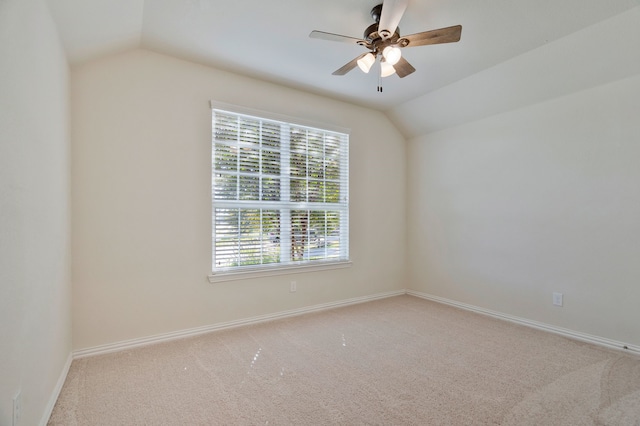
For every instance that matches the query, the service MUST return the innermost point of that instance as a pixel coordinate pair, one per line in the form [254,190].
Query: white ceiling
[269,39]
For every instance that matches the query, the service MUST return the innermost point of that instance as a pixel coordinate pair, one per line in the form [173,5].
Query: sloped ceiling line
[270,40]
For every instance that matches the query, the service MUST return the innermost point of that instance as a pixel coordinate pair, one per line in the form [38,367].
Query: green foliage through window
[279,192]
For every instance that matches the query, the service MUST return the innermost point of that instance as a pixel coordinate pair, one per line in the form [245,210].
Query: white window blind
[280,193]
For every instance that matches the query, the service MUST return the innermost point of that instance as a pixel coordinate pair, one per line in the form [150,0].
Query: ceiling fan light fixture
[392,54]
[386,69]
[383,38]
[366,62]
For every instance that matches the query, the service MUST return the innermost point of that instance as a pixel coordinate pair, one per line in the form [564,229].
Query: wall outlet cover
[558,299]
[17,408]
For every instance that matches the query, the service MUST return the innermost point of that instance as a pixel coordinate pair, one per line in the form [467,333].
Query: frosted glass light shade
[366,61]
[391,54]
[386,69]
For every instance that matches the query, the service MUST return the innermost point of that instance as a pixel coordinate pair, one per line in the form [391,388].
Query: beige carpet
[397,361]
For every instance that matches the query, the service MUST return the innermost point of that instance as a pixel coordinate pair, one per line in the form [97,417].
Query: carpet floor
[396,361]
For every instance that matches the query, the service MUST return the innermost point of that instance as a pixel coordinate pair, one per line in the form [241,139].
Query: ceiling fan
[383,39]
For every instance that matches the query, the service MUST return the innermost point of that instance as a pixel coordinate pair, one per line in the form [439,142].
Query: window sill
[283,270]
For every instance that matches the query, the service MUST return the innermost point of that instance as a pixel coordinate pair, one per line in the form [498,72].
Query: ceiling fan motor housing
[376,12]
[375,41]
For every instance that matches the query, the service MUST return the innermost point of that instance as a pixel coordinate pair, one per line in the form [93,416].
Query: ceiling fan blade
[349,65]
[336,37]
[392,11]
[443,35]
[403,68]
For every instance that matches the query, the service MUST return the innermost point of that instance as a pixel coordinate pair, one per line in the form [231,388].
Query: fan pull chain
[379,83]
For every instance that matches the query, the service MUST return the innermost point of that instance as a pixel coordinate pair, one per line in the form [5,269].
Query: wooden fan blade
[443,35]
[349,65]
[336,37]
[392,11]
[403,68]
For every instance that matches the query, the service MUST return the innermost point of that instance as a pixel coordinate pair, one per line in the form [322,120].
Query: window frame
[245,272]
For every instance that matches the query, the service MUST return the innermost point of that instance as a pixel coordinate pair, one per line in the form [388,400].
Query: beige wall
[141,200]
[35,289]
[506,210]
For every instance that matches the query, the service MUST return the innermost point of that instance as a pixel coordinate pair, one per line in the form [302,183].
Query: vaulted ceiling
[270,40]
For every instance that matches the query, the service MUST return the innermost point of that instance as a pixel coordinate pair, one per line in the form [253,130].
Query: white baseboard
[56,391]
[583,337]
[165,337]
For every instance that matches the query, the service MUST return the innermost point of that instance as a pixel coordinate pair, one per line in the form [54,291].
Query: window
[280,194]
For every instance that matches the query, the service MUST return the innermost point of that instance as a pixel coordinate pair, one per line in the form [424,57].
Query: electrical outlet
[17,408]
[557,299]
[293,286]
